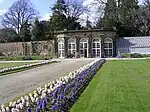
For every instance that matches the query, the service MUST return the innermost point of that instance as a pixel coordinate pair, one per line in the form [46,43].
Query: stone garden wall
[45,48]
[8,49]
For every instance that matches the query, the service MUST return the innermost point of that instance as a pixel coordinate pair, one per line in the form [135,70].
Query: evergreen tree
[121,14]
[66,15]
[36,31]
[41,30]
[110,14]
[126,17]
[58,19]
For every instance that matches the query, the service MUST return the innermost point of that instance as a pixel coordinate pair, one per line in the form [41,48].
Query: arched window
[84,47]
[61,49]
[108,47]
[96,47]
[72,46]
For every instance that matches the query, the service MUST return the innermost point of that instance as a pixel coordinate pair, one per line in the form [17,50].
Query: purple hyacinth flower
[53,101]
[40,106]
[58,104]
[28,109]
[37,110]
[39,102]
[53,108]
[60,97]
[43,105]
[46,100]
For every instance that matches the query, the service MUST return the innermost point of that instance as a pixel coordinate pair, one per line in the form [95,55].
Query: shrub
[126,55]
[145,55]
[27,58]
[136,55]
[71,56]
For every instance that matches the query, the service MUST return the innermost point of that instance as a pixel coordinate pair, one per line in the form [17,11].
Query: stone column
[90,46]
[77,47]
[102,46]
[56,47]
[66,46]
[114,47]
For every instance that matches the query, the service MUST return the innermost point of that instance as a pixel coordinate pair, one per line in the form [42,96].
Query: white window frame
[84,41]
[96,49]
[61,48]
[108,41]
[72,42]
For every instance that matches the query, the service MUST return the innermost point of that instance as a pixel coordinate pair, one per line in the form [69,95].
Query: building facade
[132,45]
[85,43]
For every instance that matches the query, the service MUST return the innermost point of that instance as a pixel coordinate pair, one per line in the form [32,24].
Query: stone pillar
[114,47]
[90,46]
[56,47]
[66,46]
[77,47]
[102,46]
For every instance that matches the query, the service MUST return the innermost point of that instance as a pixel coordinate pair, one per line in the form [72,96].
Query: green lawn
[6,65]
[119,86]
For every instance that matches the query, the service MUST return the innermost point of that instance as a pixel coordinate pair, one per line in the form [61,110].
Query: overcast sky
[43,6]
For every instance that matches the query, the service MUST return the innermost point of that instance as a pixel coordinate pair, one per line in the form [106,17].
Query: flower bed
[59,95]
[25,66]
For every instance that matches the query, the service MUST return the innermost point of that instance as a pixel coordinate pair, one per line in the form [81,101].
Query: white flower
[27,104]
[2,106]
[3,110]
[21,106]
[7,109]
[10,104]
[14,104]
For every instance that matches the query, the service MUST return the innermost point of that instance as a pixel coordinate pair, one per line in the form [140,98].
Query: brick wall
[28,48]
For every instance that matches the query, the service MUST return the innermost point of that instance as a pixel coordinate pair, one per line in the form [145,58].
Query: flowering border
[58,95]
[25,66]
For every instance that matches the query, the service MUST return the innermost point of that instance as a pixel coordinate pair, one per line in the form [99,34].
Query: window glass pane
[73,46]
[106,45]
[94,52]
[69,46]
[62,46]
[81,51]
[98,45]
[85,45]
[106,52]
[63,53]
[110,45]
[110,52]
[93,45]
[59,46]
[74,52]
[98,52]
[81,45]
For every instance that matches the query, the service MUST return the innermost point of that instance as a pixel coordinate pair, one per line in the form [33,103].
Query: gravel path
[17,84]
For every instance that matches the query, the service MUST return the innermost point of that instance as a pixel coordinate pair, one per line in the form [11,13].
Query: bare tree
[20,13]
[75,8]
[18,17]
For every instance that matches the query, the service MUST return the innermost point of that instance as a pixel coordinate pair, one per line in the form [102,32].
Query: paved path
[17,84]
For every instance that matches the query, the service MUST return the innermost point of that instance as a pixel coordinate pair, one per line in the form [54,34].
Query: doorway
[84,48]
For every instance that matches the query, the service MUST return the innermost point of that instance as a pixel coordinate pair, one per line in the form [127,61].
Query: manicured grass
[119,86]
[6,65]
[23,69]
